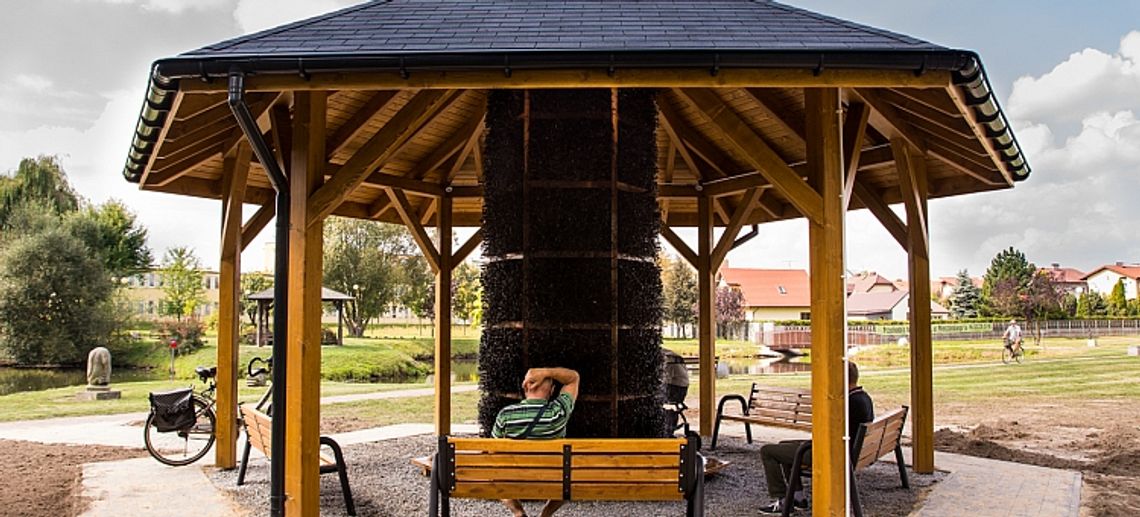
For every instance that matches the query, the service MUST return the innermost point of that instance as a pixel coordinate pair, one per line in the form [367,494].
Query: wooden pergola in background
[766,113]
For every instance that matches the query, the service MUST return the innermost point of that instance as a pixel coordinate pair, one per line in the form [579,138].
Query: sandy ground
[44,479]
[1100,438]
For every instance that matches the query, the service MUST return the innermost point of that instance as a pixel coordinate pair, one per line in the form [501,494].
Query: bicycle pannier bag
[173,410]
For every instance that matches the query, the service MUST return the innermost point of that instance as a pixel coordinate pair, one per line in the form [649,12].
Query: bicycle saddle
[206,373]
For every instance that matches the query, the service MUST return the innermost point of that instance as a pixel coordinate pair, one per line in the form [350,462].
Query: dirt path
[42,479]
[1100,438]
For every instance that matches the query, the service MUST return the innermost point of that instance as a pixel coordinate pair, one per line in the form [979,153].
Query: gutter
[280,183]
[966,66]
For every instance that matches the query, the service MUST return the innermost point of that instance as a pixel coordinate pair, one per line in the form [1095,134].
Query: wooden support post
[443,320]
[828,318]
[303,373]
[912,181]
[234,175]
[706,319]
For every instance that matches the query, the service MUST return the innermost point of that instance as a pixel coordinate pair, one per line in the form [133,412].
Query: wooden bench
[777,407]
[608,469]
[873,441]
[258,429]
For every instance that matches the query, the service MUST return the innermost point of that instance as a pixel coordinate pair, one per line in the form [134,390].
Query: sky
[1067,74]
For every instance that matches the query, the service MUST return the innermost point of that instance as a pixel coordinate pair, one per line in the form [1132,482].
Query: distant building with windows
[144,293]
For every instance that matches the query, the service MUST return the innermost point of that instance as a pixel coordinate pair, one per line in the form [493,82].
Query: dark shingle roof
[460,26]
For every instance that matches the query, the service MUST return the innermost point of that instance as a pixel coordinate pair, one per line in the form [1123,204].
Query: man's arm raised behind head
[566,377]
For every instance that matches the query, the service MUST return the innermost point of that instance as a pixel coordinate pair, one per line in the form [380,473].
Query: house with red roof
[771,294]
[1104,278]
[1068,279]
[887,305]
[869,282]
[943,287]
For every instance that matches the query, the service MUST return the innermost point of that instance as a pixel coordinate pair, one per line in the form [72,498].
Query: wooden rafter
[748,144]
[180,165]
[281,134]
[762,99]
[854,136]
[690,140]
[359,120]
[461,158]
[377,150]
[255,224]
[912,179]
[888,121]
[682,249]
[419,234]
[439,156]
[976,126]
[743,210]
[667,175]
[881,210]
[428,210]
[933,98]
[472,242]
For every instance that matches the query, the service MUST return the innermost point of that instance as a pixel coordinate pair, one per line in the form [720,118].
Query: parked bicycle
[1012,351]
[180,427]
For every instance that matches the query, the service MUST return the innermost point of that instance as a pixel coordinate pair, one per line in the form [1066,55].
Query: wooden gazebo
[766,113]
[264,300]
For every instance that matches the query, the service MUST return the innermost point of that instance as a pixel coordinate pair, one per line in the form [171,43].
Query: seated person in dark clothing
[542,415]
[778,457]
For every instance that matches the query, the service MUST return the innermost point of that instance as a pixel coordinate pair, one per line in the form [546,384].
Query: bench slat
[526,475]
[500,490]
[492,460]
[627,492]
[602,445]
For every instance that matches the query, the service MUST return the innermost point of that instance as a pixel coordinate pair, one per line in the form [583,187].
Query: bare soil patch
[1100,438]
[42,479]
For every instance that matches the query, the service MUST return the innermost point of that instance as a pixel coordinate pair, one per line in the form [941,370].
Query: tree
[36,180]
[1042,301]
[1090,304]
[363,258]
[966,298]
[112,232]
[182,285]
[729,310]
[1006,282]
[467,291]
[417,291]
[1117,303]
[55,300]
[252,283]
[679,286]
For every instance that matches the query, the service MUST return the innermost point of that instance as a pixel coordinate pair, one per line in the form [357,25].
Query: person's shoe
[800,503]
[774,508]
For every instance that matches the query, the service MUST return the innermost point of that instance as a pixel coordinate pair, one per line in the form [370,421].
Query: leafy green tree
[112,232]
[1069,303]
[363,258]
[1090,304]
[41,180]
[182,285]
[1117,303]
[55,300]
[467,289]
[679,286]
[1005,283]
[252,283]
[417,291]
[966,298]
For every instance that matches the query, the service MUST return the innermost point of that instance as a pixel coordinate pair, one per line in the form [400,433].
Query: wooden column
[443,320]
[235,173]
[303,372]
[706,318]
[912,182]
[828,317]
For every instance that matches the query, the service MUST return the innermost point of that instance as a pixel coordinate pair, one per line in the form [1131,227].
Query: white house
[1103,279]
[887,305]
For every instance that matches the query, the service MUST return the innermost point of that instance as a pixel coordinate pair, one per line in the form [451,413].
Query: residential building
[1104,278]
[944,286]
[771,294]
[1067,279]
[887,305]
[869,282]
[144,293]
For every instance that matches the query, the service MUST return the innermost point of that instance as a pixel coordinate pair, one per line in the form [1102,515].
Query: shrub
[187,333]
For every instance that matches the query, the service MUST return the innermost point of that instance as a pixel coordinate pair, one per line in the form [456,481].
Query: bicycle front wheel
[1006,354]
[178,448]
[1019,355]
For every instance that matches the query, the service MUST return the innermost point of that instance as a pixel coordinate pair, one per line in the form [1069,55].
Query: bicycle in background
[1012,351]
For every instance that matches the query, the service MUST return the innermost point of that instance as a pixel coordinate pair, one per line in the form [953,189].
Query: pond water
[15,380]
[767,365]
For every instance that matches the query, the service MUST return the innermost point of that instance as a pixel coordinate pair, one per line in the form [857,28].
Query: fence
[799,336]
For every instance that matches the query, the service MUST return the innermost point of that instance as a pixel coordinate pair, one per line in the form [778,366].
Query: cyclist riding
[1012,337]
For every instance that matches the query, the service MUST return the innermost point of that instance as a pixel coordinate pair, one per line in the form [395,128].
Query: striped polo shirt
[514,419]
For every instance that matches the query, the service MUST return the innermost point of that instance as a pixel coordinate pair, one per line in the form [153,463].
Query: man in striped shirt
[541,416]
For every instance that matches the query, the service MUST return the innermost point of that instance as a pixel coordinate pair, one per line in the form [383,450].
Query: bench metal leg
[856,506]
[793,480]
[342,472]
[902,466]
[433,488]
[720,415]
[244,462]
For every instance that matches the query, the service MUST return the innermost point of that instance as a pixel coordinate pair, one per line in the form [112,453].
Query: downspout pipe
[280,283]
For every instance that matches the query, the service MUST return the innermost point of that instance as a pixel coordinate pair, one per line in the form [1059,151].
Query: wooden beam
[408,215]
[690,138]
[281,134]
[377,150]
[979,130]
[914,188]
[762,99]
[735,184]
[749,144]
[175,106]
[442,152]
[679,145]
[854,137]
[698,77]
[169,172]
[427,211]
[682,249]
[301,450]
[443,320]
[381,204]
[235,171]
[879,208]
[461,158]
[887,120]
[477,157]
[828,315]
[472,242]
[260,113]
[706,319]
[255,224]
[359,120]
[667,177]
[743,210]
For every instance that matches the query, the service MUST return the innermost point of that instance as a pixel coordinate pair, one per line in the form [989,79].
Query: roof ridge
[901,38]
[291,25]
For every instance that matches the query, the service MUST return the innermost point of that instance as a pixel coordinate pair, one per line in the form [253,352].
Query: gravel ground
[386,484]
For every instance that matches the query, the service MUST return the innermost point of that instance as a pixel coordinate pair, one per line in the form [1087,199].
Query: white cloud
[256,15]
[171,6]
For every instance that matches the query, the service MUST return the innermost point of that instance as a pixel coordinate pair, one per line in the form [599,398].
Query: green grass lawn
[374,413]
